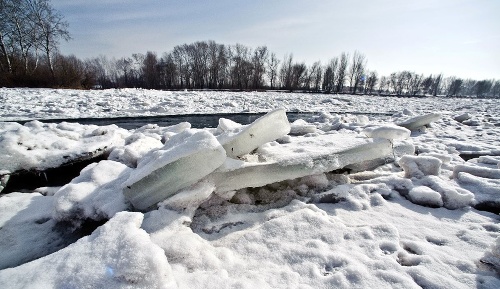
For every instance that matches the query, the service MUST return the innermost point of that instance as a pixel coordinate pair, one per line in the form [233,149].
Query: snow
[420,166]
[37,145]
[117,255]
[388,132]
[93,194]
[342,201]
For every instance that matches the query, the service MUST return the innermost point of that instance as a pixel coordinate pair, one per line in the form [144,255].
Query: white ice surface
[370,235]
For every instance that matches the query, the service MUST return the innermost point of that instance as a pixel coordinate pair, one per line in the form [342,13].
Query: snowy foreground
[335,201]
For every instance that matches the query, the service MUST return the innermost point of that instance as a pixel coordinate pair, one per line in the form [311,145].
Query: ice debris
[265,129]
[387,131]
[417,122]
[301,157]
[185,159]
[420,166]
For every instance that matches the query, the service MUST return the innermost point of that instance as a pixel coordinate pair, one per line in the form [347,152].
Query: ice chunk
[265,129]
[489,160]
[420,166]
[486,191]
[95,194]
[301,157]
[136,146]
[477,171]
[419,121]
[191,197]
[301,127]
[453,197]
[403,147]
[462,117]
[184,160]
[425,196]
[227,125]
[388,132]
[117,255]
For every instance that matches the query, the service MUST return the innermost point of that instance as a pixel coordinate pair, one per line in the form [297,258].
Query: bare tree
[330,74]
[483,87]
[356,71]
[371,82]
[436,85]
[454,86]
[50,26]
[149,70]
[286,72]
[272,69]
[259,60]
[317,74]
[383,84]
[495,90]
[427,84]
[341,72]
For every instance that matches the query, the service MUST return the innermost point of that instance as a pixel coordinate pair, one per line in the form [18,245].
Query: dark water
[196,120]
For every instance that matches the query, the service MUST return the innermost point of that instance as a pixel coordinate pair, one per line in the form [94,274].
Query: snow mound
[96,194]
[420,166]
[117,255]
[26,229]
[37,145]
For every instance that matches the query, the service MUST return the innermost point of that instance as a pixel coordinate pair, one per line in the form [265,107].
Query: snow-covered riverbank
[385,221]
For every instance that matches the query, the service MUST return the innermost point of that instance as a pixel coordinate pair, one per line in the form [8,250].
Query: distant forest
[30,31]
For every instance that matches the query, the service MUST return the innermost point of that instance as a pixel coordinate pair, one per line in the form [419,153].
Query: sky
[454,37]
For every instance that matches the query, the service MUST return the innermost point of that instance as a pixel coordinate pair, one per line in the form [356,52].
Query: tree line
[30,31]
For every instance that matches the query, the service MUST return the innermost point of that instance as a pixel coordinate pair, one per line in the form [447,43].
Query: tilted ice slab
[420,121]
[185,159]
[265,129]
[301,157]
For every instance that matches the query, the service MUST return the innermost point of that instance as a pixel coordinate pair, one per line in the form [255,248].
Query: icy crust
[185,159]
[37,145]
[117,255]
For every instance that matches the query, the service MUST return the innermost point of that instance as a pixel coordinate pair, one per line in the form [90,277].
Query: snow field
[398,220]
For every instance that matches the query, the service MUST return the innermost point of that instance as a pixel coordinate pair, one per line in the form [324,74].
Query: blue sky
[454,37]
